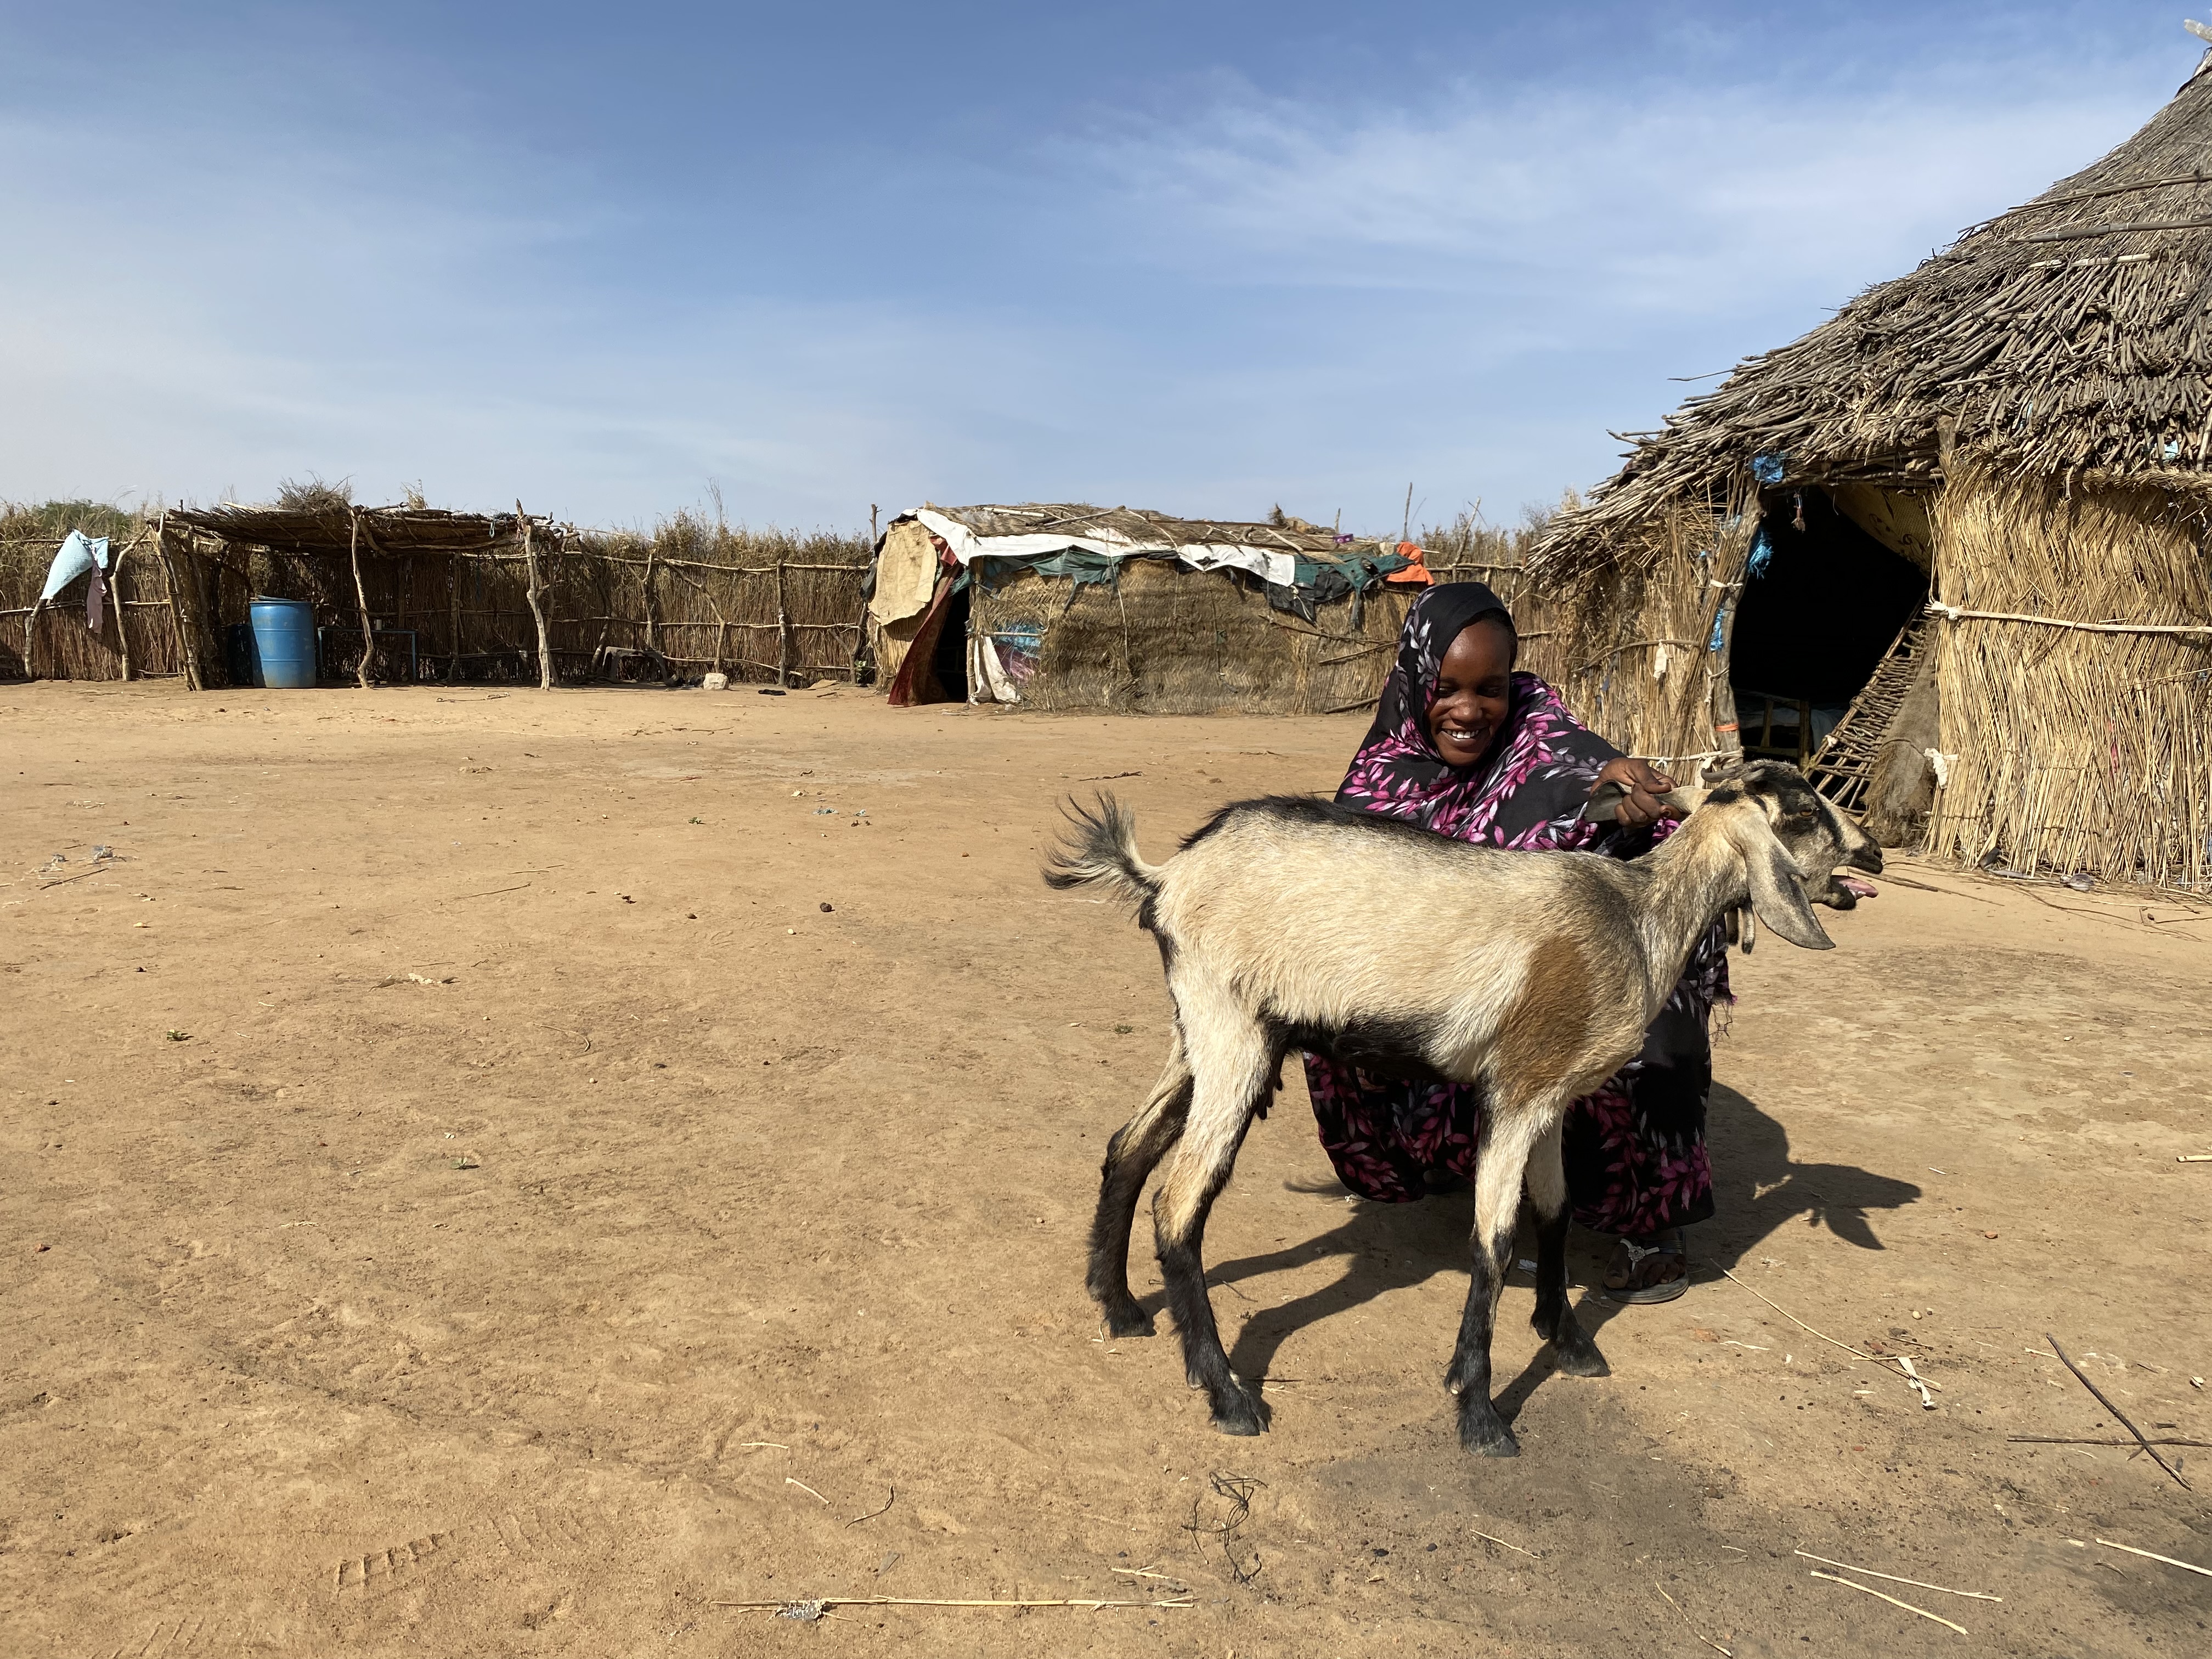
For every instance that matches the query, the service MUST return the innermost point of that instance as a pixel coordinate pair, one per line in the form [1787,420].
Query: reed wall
[2067,749]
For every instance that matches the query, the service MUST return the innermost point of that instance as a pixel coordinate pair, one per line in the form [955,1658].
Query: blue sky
[1198,256]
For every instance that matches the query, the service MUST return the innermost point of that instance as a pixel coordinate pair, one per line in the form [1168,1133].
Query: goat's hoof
[1130,1320]
[1242,1420]
[1484,1432]
[1578,1357]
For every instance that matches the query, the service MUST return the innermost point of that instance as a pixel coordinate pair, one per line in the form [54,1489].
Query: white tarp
[1269,565]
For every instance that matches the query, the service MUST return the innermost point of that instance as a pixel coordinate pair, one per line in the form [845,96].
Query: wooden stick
[803,1487]
[187,649]
[872,1513]
[2081,1440]
[1893,1600]
[1694,1631]
[1873,1359]
[782,631]
[1976,1595]
[934,1601]
[535,594]
[2179,631]
[1515,1548]
[79,876]
[2120,1416]
[115,597]
[2148,1555]
[360,592]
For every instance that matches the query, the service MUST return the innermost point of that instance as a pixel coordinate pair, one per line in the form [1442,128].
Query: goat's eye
[1799,820]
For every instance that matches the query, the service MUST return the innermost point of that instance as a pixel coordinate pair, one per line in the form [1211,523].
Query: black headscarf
[1527,792]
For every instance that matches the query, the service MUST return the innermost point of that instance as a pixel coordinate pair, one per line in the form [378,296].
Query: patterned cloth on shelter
[1635,1150]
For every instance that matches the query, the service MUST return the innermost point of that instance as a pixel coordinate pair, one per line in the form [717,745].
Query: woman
[1464,745]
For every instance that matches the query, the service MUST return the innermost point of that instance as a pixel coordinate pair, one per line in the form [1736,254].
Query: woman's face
[1474,690]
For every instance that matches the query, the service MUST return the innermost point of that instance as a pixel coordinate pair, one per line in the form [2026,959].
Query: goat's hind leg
[1136,1148]
[1230,1081]
[1572,1351]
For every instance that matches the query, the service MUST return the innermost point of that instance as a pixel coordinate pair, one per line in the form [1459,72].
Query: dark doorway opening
[948,655]
[1814,623]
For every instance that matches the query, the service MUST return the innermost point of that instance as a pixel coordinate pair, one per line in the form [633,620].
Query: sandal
[1642,1272]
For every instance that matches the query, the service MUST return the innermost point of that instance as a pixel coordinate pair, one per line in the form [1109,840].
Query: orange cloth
[1415,575]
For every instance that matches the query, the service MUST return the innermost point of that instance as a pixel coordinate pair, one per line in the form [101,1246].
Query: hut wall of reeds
[2085,747]
[2019,435]
[137,636]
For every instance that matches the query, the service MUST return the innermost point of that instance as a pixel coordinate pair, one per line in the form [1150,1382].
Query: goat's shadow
[1758,1188]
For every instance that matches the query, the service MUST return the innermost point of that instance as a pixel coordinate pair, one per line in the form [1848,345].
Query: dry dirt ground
[467,1191]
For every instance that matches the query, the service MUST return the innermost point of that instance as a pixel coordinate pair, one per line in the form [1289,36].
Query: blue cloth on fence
[77,553]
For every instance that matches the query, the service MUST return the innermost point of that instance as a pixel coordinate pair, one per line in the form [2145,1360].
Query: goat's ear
[1777,897]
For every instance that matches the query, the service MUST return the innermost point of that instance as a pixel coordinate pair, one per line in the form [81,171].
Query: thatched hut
[1966,520]
[1065,606]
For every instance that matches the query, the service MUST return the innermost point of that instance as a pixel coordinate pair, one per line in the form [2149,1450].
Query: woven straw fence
[136,630]
[2073,749]
[689,597]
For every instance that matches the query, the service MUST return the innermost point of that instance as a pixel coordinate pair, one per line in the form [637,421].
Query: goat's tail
[1101,849]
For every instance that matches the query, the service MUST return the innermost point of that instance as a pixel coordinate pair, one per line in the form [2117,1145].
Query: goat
[1291,922]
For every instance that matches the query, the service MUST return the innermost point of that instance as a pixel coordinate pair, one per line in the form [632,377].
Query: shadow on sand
[1758,1188]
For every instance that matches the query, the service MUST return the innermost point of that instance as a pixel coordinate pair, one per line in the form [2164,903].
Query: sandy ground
[467,1191]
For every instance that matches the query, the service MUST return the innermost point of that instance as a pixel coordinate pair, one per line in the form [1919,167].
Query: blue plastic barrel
[284,640]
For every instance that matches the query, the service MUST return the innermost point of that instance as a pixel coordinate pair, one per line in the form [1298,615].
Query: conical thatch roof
[2070,336]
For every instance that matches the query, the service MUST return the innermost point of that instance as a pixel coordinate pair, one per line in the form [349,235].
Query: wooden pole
[186,649]
[31,637]
[652,640]
[537,602]
[361,594]
[454,576]
[115,597]
[782,631]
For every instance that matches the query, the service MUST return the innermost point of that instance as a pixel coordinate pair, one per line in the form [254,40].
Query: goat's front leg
[1130,1156]
[1572,1350]
[1499,1163]
[1229,1081]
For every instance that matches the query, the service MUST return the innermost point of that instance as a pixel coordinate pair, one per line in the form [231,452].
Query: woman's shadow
[1758,1188]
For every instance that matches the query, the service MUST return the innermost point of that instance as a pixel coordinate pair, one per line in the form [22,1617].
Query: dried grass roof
[2072,335]
[330,530]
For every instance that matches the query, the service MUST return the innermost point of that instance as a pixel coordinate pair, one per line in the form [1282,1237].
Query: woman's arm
[1645,782]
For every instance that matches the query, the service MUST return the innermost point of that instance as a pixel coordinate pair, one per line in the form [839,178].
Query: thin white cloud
[1688,201]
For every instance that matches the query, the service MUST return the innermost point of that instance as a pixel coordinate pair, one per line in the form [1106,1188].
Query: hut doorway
[1823,601]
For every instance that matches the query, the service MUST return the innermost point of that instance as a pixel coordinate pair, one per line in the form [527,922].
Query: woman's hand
[1645,782]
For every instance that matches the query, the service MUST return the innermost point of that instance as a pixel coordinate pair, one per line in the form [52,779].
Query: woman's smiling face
[1474,691]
